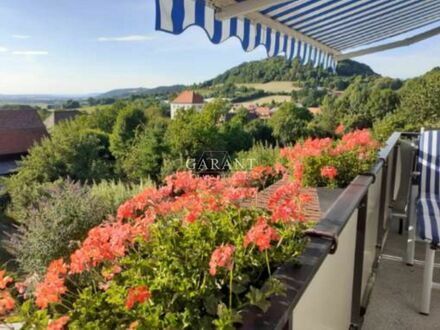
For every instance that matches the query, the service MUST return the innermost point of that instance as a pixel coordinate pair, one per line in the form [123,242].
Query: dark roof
[188,97]
[59,115]
[19,130]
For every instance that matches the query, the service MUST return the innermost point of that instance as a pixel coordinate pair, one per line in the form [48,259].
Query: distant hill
[348,68]
[127,92]
[33,98]
[276,69]
[279,69]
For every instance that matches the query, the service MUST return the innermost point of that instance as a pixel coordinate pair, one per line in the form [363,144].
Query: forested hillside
[127,92]
[279,69]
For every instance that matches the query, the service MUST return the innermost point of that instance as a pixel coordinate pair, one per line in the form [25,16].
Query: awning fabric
[312,30]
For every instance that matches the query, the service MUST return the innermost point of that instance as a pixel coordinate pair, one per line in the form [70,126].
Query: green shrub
[259,154]
[289,123]
[112,193]
[144,158]
[71,151]
[59,217]
[5,199]
[24,197]
[129,121]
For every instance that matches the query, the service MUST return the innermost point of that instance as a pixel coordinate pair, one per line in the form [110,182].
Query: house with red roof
[19,130]
[186,100]
[263,112]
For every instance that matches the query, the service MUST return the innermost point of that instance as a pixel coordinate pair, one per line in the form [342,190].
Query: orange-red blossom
[138,294]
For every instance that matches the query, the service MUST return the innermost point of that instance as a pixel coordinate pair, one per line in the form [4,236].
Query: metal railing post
[383,208]
[394,167]
[356,302]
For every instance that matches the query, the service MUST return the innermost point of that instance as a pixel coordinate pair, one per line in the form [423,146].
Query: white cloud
[20,36]
[132,38]
[30,52]
[3,49]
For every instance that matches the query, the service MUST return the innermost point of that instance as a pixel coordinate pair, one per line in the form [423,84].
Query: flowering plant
[260,176]
[333,163]
[183,255]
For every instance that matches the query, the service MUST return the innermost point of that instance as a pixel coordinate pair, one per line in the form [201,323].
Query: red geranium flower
[221,257]
[138,294]
[261,234]
[340,129]
[4,280]
[287,203]
[329,172]
[239,179]
[58,324]
[7,303]
[103,243]
[52,287]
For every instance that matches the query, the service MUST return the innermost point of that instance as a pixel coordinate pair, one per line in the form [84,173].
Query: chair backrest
[428,163]
[407,154]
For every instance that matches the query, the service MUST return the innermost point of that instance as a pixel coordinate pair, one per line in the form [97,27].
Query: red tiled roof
[19,130]
[188,97]
[263,111]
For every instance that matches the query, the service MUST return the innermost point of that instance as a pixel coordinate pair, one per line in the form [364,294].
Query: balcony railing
[330,287]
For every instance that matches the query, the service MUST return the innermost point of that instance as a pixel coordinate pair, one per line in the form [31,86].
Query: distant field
[268,99]
[92,108]
[273,86]
[36,104]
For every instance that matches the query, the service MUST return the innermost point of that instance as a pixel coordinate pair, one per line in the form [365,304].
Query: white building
[185,101]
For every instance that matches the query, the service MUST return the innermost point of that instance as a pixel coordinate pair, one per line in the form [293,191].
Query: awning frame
[311,30]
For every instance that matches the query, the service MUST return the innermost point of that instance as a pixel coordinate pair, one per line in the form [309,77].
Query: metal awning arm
[392,45]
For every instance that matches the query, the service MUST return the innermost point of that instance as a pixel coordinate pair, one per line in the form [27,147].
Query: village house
[19,130]
[186,100]
[57,116]
[263,112]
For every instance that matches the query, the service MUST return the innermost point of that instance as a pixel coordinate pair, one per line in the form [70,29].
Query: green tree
[92,101]
[145,157]
[104,117]
[191,133]
[419,107]
[420,99]
[71,151]
[328,119]
[289,123]
[382,102]
[260,131]
[235,135]
[129,122]
[71,104]
[81,154]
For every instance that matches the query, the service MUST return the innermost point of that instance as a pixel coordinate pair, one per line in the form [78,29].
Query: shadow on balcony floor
[395,299]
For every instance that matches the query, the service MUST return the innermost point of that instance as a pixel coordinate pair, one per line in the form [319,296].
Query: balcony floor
[395,298]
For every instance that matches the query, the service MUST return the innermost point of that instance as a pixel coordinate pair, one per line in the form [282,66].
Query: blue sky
[84,46]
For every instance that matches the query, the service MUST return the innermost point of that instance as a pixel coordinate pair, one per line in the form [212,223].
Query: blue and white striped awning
[316,31]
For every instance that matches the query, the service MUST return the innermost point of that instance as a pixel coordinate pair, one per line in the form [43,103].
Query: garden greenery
[60,216]
[183,255]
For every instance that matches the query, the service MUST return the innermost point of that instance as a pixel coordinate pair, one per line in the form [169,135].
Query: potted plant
[330,165]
